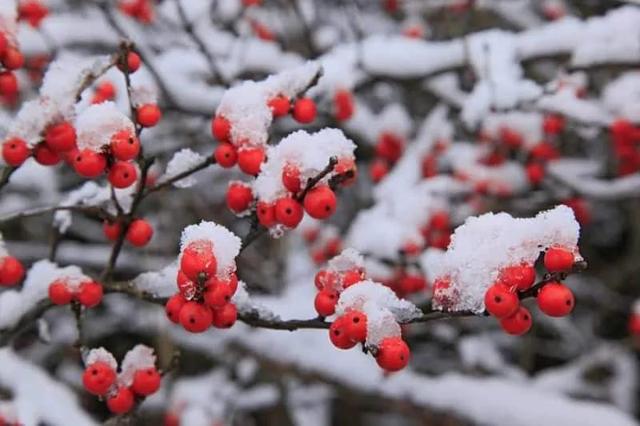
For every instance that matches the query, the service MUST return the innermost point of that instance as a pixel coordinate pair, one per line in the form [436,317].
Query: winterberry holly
[291,178]
[378,170]
[198,259]
[344,105]
[266,213]
[320,202]
[90,294]
[500,301]
[518,323]
[216,296]
[122,174]
[173,307]
[11,271]
[521,277]
[195,317]
[250,160]
[15,151]
[98,378]
[125,146]
[61,137]
[59,293]
[146,381]
[12,59]
[558,259]
[289,212]
[555,299]
[45,156]
[111,230]
[225,316]
[89,164]
[338,334]
[279,106]
[239,197]
[122,401]
[148,115]
[226,155]
[304,110]
[393,354]
[356,325]
[131,64]
[325,279]
[139,233]
[221,128]
[8,84]
[325,302]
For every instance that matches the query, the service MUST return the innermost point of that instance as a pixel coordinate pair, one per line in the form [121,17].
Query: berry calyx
[122,174]
[239,197]
[15,151]
[225,317]
[291,178]
[195,317]
[98,378]
[11,271]
[320,202]
[198,259]
[221,128]
[289,212]
[226,155]
[59,293]
[90,294]
[338,334]
[148,115]
[518,323]
[304,110]
[325,302]
[555,300]
[139,233]
[122,402]
[521,277]
[279,106]
[266,213]
[250,160]
[89,164]
[61,137]
[173,307]
[125,146]
[393,354]
[146,381]
[500,301]
[558,259]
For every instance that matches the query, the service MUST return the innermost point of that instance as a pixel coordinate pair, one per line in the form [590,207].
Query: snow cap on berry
[138,358]
[101,355]
[226,245]
[96,124]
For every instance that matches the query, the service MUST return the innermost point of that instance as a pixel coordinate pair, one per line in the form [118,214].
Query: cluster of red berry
[625,138]
[32,11]
[553,298]
[100,378]
[436,233]
[343,104]
[405,282]
[204,297]
[330,282]
[429,164]
[11,59]
[138,234]
[140,10]
[324,242]
[11,271]
[64,290]
[388,151]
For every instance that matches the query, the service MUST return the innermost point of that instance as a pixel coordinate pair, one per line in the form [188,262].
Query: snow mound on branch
[346,261]
[226,245]
[9,20]
[96,124]
[183,160]
[160,283]
[101,355]
[395,119]
[621,96]
[381,305]
[527,124]
[139,358]
[483,245]
[247,306]
[309,152]
[245,105]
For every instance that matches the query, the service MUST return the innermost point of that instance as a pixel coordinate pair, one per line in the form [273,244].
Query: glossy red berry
[111,230]
[8,84]
[325,302]
[553,124]
[291,178]
[90,294]
[139,233]
[344,105]
[378,170]
[351,277]
[304,110]
[279,106]
[148,115]
[226,155]
[146,381]
[132,63]
[393,354]
[555,300]
[221,128]
[320,202]
[500,301]
[412,283]
[440,221]
[32,11]
[266,213]
[535,173]
[15,151]
[289,212]
[61,137]
[558,259]
[216,296]
[45,156]
[121,402]
[198,258]
[521,277]
[239,197]
[225,317]
[13,59]
[98,378]
[356,325]
[518,323]
[11,271]
[122,174]
[338,334]
[326,280]
[195,317]
[173,307]
[125,146]
[3,44]
[59,293]
[89,164]
[186,286]
[250,160]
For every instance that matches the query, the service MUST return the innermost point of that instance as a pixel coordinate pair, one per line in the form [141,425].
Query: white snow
[226,245]
[183,160]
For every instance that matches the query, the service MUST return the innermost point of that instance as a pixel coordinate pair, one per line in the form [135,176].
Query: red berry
[148,115]
[378,170]
[226,316]
[8,84]
[250,160]
[412,283]
[90,294]
[111,230]
[356,325]
[45,156]
[440,220]
[393,354]
[555,300]
[11,271]
[89,164]
[291,178]
[195,317]
[500,301]
[518,323]
[216,296]
[15,151]
[344,105]
[289,212]
[326,280]
[558,259]
[173,307]
[520,276]
[226,155]
[320,202]
[304,110]
[351,277]
[133,63]
[535,173]
[221,128]
[139,233]
[266,214]
[338,334]
[553,124]
[146,382]
[61,137]
[32,11]
[389,147]
[122,174]
[59,293]
[122,402]
[106,89]
[634,324]
[325,302]
[198,258]
[239,197]
[510,138]
[13,59]
[171,419]
[186,287]
[3,44]
[125,146]
[98,378]
[279,106]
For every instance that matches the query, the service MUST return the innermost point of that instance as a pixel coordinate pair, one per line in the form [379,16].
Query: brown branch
[7,171]
[89,210]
